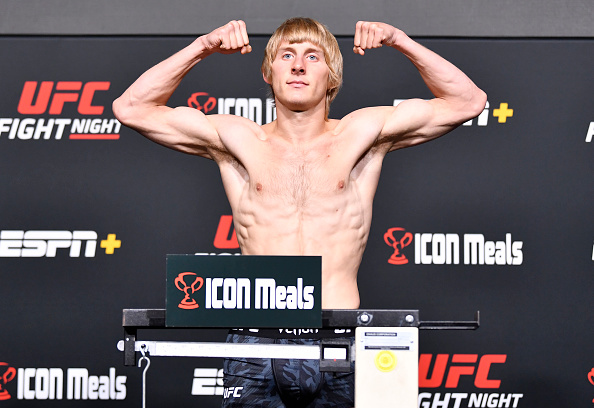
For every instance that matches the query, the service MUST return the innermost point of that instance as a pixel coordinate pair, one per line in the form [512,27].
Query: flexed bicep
[457,98]
[416,121]
[184,129]
[143,106]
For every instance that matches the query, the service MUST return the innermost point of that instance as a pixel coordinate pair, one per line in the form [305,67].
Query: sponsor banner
[519,169]
[259,110]
[244,291]
[38,244]
[59,384]
[49,99]
[452,249]
[448,372]
[463,399]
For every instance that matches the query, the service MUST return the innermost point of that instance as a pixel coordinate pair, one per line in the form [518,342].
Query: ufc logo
[65,91]
[462,364]
[226,238]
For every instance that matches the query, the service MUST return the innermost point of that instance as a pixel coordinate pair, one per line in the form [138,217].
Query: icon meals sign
[244,291]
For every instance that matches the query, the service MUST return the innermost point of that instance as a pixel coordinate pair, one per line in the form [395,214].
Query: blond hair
[301,29]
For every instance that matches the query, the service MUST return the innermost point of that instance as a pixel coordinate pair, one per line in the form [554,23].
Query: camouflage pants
[251,383]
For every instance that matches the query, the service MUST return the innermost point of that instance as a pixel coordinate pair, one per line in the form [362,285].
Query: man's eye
[312,57]
[286,56]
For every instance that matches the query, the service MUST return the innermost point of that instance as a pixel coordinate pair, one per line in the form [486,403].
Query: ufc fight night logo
[451,371]
[53,98]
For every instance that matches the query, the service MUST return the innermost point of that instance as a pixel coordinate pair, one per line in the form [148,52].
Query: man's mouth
[297,84]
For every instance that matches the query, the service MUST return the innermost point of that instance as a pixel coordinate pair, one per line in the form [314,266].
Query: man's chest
[299,177]
[274,172]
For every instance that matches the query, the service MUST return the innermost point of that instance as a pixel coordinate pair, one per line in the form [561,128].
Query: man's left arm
[457,98]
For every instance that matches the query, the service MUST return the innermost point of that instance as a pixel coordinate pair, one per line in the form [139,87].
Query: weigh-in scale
[386,347]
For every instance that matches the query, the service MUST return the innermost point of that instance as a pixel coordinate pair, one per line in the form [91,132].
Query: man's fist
[373,35]
[228,39]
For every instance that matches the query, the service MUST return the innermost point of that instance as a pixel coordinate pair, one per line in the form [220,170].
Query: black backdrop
[524,183]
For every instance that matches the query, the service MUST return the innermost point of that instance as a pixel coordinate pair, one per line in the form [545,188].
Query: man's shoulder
[365,120]
[233,125]
[367,113]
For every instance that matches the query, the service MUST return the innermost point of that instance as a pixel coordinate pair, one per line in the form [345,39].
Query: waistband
[295,333]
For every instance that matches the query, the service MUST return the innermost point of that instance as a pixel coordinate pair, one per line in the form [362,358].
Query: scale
[385,351]
[386,347]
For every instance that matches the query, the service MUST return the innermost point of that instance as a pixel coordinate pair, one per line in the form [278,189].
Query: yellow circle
[385,361]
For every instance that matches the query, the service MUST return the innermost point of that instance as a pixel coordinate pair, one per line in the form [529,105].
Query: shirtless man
[302,184]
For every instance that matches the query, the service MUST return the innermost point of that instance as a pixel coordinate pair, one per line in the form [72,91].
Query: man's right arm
[143,106]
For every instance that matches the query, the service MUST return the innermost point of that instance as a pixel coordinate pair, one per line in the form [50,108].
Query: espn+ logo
[209,381]
[237,293]
[35,244]
[38,244]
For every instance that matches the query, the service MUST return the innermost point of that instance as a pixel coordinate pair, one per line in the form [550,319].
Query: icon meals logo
[442,249]
[57,384]
[255,109]
[7,374]
[236,293]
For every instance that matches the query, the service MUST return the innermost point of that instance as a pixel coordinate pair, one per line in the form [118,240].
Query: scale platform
[385,351]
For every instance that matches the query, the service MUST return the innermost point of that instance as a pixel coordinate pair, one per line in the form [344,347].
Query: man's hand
[373,35]
[228,39]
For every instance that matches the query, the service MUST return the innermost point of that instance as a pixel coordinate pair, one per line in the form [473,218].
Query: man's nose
[298,66]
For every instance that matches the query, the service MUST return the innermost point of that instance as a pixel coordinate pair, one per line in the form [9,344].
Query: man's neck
[300,126]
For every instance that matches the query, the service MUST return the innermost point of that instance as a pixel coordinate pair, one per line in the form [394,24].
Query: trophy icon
[181,284]
[5,378]
[397,257]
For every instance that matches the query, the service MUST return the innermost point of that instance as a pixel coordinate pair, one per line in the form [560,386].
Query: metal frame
[135,319]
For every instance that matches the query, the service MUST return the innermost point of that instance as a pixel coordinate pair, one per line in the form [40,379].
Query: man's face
[299,76]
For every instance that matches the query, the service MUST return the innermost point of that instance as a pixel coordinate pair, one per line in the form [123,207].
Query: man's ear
[265,79]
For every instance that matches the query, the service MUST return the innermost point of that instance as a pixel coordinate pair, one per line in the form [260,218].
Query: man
[302,184]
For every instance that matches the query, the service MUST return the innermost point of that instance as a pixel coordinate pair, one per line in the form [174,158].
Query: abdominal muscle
[332,225]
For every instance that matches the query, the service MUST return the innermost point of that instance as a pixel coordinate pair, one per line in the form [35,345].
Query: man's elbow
[478,103]
[470,106]
[126,110]
[121,110]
